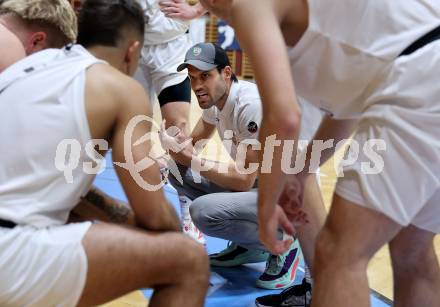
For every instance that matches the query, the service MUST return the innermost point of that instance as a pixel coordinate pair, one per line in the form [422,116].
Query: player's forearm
[151,209]
[98,205]
[163,217]
[271,179]
[226,175]
[262,39]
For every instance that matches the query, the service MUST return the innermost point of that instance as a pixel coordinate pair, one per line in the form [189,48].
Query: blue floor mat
[233,287]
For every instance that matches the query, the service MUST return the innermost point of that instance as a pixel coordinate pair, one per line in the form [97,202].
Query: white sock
[185,202]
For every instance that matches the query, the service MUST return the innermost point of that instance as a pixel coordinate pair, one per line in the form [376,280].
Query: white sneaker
[193,232]
[188,226]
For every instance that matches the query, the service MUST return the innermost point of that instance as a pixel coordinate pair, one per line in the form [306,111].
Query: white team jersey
[42,104]
[160,29]
[340,61]
[241,115]
[243,112]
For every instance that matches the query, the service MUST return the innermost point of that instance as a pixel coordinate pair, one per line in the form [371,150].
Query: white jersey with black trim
[349,45]
[243,112]
[160,29]
[240,118]
[41,105]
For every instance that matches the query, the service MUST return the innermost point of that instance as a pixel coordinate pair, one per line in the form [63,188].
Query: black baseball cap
[205,56]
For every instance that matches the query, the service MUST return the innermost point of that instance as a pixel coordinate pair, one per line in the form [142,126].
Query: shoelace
[274,264]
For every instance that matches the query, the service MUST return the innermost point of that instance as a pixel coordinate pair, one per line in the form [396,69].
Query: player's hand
[268,230]
[178,9]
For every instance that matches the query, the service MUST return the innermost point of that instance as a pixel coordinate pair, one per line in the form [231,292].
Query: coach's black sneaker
[295,296]
[235,255]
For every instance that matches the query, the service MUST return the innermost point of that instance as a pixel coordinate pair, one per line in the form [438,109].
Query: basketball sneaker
[281,270]
[295,296]
[188,226]
[235,255]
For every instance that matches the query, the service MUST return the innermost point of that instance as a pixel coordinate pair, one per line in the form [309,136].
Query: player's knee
[178,121]
[196,258]
[202,263]
[326,247]
[195,211]
[333,250]
[181,123]
[330,249]
[207,216]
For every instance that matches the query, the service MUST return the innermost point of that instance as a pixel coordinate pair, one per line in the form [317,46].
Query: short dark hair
[233,77]
[100,22]
[223,60]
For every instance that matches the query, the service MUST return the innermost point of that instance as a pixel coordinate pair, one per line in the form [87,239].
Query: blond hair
[56,13]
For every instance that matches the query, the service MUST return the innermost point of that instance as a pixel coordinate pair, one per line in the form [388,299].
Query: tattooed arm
[97,205]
